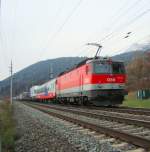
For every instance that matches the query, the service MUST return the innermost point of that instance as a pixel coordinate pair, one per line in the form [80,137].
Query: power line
[64,23]
[118,15]
[4,57]
[124,48]
[130,22]
[110,35]
[125,12]
[121,12]
[0,6]
[66,20]
[56,16]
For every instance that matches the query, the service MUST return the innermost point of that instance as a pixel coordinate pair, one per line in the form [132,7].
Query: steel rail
[125,110]
[136,140]
[131,121]
[140,111]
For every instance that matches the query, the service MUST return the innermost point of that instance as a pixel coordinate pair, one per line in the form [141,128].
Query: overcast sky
[34,30]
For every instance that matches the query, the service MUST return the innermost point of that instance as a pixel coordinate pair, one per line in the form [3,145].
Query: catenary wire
[110,35]
[1,38]
[118,14]
[63,24]
[125,47]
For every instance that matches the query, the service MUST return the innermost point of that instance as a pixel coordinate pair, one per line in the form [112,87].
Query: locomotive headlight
[100,86]
[121,86]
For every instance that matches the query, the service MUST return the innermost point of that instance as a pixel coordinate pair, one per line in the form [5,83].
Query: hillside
[39,73]
[128,56]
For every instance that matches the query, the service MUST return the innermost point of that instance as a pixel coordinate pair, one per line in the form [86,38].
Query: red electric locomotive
[100,81]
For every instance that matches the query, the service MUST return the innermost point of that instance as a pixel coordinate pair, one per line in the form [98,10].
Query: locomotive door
[57,89]
[81,85]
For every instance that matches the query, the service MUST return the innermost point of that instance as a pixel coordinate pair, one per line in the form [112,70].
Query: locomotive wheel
[85,101]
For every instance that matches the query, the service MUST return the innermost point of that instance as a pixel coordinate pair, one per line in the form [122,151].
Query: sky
[36,30]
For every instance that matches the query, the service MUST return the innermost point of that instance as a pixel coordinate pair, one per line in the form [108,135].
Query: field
[7,127]
[132,101]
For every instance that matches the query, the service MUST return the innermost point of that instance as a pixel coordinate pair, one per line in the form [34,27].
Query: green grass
[7,127]
[132,101]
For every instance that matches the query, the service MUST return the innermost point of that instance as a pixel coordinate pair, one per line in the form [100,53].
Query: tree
[138,72]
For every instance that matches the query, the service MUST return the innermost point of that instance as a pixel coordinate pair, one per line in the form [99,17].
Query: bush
[7,127]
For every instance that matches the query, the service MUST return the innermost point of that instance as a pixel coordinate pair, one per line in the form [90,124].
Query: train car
[33,92]
[24,96]
[51,89]
[44,92]
[100,81]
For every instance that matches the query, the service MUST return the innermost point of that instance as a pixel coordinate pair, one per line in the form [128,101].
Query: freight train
[98,81]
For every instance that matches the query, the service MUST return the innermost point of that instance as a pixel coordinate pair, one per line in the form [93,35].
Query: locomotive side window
[118,68]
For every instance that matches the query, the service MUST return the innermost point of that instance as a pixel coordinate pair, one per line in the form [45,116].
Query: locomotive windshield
[102,67]
[108,68]
[118,68]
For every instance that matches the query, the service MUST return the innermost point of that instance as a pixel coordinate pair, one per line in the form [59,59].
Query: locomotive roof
[76,66]
[79,64]
[87,60]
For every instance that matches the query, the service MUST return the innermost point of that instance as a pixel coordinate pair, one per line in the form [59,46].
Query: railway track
[137,111]
[128,119]
[132,133]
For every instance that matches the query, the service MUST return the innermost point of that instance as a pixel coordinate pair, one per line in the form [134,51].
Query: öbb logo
[111,79]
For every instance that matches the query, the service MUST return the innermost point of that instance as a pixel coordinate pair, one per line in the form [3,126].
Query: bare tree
[138,72]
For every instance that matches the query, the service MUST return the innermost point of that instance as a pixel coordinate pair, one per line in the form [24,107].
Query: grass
[7,127]
[132,101]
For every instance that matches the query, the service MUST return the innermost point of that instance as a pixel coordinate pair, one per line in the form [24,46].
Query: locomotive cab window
[108,68]
[102,68]
[118,68]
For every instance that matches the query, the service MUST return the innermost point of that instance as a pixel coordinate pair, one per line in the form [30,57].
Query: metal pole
[0,120]
[11,79]
[0,144]
[97,45]
[51,71]
[97,51]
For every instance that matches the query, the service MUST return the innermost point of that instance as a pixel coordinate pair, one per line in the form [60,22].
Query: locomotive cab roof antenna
[98,50]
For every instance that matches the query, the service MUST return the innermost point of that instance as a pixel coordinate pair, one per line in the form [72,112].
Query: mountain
[128,56]
[39,73]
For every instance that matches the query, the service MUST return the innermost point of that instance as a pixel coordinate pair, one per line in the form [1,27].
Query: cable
[64,23]
[126,11]
[56,16]
[128,23]
[123,48]
[66,20]
[109,36]
[119,15]
[1,38]
[116,21]
[58,12]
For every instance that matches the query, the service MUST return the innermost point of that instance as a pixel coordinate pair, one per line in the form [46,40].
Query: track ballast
[133,131]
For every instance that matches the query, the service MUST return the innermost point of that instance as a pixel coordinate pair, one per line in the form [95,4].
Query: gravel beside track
[101,112]
[131,134]
[39,132]
[140,131]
